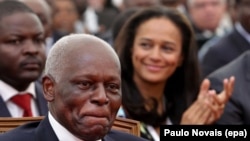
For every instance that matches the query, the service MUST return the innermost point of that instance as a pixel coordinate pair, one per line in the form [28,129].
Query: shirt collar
[62,133]
[7,91]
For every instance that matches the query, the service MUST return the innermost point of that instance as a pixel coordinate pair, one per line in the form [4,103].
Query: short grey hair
[55,60]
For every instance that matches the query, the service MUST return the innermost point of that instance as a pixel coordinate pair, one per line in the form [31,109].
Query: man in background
[22,59]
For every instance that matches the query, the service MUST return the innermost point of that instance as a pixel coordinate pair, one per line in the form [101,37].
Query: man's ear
[48,88]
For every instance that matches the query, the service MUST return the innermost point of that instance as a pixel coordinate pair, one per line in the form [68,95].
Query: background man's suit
[224,51]
[40,102]
[42,131]
[237,110]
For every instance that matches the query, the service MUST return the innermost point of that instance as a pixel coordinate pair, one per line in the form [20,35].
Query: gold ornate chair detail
[121,124]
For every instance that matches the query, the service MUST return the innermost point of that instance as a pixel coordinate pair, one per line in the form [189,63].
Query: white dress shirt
[62,133]
[7,92]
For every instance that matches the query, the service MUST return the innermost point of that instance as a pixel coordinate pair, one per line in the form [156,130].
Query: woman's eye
[145,45]
[167,48]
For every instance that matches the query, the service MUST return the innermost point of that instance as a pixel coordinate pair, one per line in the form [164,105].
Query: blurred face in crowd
[156,51]
[43,11]
[22,51]
[64,16]
[87,94]
[206,14]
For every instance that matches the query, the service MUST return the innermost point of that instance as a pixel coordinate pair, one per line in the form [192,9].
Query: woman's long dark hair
[181,88]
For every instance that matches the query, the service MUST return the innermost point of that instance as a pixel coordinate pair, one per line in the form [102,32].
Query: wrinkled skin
[87,95]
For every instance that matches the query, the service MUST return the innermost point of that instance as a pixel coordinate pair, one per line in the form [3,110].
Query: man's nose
[100,96]
[30,47]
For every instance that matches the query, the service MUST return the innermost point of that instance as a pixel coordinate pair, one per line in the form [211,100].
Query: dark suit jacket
[237,110]
[42,131]
[40,102]
[224,51]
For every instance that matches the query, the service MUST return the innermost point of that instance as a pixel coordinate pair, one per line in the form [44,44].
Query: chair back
[121,124]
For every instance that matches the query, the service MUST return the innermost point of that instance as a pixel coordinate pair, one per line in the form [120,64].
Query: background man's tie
[23,101]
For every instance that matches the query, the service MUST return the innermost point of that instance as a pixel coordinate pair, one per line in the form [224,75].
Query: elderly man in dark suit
[22,59]
[233,44]
[82,85]
[237,110]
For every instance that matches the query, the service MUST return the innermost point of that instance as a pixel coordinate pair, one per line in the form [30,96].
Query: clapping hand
[209,106]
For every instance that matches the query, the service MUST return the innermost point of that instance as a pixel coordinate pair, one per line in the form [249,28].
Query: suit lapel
[40,100]
[108,138]
[240,42]
[4,112]
[44,131]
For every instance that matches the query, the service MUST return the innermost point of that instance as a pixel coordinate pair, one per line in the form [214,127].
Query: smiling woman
[160,73]
[152,45]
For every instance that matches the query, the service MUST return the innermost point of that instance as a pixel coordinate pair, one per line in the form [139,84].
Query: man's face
[43,11]
[88,93]
[64,16]
[22,49]
[206,14]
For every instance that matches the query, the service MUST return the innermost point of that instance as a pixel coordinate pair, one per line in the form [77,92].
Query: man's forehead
[20,20]
[92,63]
[83,45]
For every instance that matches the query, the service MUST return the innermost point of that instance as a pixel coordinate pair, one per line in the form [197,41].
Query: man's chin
[30,77]
[94,133]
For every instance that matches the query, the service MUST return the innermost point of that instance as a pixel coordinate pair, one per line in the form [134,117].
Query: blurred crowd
[210,18]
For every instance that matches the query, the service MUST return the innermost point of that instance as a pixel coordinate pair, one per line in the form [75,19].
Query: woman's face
[156,51]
